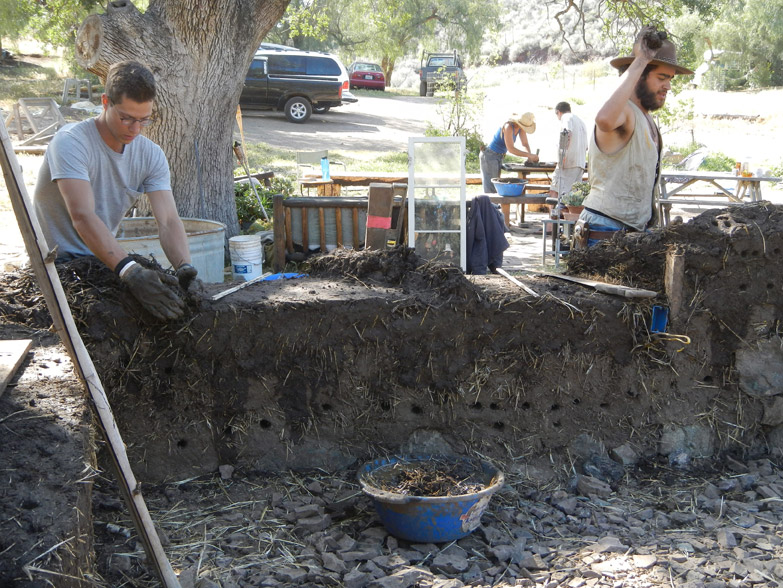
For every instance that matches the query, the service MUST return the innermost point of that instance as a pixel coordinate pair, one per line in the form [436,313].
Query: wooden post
[42,261]
[379,213]
[278,230]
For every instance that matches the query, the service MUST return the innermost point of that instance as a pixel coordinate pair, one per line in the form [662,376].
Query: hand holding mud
[154,291]
[186,274]
[648,41]
[654,39]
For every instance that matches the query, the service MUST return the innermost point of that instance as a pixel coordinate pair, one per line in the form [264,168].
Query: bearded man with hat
[491,156]
[625,148]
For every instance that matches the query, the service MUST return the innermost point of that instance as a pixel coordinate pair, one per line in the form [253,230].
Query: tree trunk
[387,65]
[199,52]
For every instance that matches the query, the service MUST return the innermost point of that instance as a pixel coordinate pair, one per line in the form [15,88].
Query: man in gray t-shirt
[92,174]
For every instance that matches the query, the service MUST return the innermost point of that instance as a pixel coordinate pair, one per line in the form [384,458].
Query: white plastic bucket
[247,256]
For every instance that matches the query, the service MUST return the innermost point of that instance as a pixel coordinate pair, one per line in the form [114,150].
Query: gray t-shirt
[77,151]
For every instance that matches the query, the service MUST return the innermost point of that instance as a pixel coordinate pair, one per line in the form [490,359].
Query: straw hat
[667,55]
[527,122]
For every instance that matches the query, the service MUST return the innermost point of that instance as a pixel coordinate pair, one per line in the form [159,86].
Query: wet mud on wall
[380,352]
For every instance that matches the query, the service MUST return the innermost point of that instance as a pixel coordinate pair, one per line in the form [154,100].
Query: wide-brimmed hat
[526,121]
[667,55]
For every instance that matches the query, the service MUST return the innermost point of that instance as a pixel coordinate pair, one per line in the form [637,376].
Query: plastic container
[509,186]
[325,169]
[206,241]
[431,519]
[247,257]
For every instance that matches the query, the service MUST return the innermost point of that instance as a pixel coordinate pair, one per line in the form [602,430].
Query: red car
[367,75]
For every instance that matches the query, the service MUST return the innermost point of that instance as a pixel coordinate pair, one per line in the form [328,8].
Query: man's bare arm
[80,201]
[173,238]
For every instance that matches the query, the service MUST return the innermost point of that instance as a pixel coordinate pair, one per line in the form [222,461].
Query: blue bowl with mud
[430,499]
[509,186]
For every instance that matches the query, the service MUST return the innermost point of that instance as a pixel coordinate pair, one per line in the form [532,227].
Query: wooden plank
[278,229]
[379,212]
[615,289]
[322,229]
[42,261]
[338,219]
[12,354]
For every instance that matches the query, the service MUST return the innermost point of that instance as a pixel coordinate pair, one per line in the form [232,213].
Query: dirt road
[373,124]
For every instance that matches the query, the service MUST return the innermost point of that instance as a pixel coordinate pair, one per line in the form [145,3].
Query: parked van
[296,82]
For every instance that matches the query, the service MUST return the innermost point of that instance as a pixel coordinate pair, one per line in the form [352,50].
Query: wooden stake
[513,280]
[42,261]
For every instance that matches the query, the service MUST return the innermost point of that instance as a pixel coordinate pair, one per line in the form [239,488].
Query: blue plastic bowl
[510,186]
[431,519]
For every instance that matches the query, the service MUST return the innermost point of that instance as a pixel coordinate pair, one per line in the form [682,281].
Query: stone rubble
[661,527]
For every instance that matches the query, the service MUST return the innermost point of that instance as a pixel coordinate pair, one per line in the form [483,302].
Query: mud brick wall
[369,352]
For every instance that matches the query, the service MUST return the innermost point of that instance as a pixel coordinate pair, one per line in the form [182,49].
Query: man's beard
[647,99]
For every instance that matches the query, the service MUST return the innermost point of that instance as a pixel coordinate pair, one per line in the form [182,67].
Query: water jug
[325,168]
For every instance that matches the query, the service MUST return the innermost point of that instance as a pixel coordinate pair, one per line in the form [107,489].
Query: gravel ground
[662,526]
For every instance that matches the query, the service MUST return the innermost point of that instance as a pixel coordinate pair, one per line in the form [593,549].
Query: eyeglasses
[129,121]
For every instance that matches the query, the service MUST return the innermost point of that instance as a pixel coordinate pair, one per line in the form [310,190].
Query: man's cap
[666,55]
[526,121]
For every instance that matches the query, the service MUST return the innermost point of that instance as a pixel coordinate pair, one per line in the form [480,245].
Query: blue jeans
[599,222]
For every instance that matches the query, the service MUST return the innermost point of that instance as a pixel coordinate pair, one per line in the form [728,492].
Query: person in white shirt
[573,166]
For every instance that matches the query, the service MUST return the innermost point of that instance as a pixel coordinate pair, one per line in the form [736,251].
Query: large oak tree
[199,51]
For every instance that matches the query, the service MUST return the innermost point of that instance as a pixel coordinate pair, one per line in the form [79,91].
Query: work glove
[154,291]
[186,274]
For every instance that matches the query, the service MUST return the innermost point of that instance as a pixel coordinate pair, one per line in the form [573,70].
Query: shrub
[248,207]
[577,195]
[718,162]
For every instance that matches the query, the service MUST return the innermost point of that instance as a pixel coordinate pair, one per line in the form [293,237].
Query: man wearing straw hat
[625,148]
[491,156]
[92,174]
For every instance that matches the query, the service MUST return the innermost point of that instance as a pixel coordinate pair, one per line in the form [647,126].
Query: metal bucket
[206,240]
[431,519]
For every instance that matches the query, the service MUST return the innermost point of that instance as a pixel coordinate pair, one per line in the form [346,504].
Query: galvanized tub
[206,240]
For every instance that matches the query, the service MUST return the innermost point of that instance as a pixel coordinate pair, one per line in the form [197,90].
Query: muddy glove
[154,291]
[186,274]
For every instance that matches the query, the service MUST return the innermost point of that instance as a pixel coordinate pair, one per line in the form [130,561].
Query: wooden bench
[665,205]
[506,202]
[263,177]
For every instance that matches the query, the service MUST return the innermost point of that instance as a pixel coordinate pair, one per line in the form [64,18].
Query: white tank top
[623,184]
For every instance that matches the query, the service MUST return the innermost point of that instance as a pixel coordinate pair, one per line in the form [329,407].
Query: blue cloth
[485,237]
[287,276]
